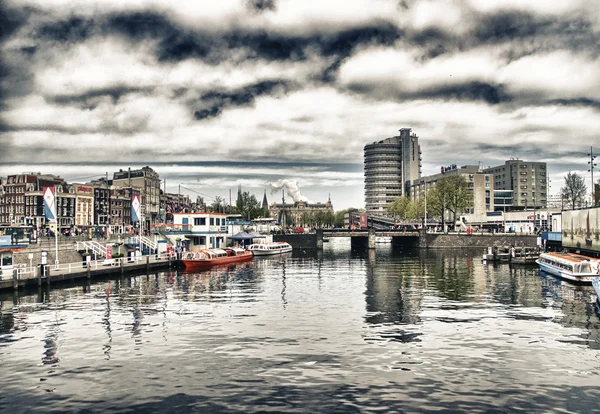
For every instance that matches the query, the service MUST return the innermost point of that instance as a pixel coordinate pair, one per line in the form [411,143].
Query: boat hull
[204,263]
[563,274]
[271,252]
[596,285]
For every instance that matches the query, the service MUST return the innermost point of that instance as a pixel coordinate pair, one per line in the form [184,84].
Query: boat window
[585,267]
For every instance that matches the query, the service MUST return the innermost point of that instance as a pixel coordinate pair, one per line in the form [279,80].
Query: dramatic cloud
[104,83]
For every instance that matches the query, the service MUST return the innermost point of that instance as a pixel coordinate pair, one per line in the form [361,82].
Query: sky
[216,94]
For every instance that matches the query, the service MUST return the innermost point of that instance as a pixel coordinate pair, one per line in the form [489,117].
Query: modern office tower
[391,165]
[527,180]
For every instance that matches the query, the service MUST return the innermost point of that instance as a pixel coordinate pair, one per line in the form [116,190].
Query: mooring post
[319,238]
[121,264]
[148,262]
[16,278]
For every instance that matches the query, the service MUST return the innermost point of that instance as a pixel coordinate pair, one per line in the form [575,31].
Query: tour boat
[212,257]
[265,249]
[570,266]
[383,239]
[596,285]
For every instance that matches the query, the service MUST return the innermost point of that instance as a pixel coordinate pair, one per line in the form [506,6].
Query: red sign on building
[109,252]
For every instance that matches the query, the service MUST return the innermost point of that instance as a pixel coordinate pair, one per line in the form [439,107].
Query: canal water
[339,331]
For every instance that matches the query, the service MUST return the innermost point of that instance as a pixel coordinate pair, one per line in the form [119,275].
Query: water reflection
[391,329]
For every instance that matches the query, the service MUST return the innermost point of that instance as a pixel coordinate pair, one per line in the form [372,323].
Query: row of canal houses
[102,203]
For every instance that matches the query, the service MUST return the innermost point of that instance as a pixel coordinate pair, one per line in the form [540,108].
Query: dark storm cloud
[261,5]
[177,43]
[11,19]
[585,102]
[472,91]
[90,98]
[215,102]
[469,91]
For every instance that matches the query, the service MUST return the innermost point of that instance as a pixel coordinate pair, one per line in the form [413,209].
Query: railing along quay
[51,273]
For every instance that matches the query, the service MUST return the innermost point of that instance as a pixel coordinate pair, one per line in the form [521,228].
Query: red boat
[213,257]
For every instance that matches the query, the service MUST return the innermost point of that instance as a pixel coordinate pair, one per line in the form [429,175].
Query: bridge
[368,236]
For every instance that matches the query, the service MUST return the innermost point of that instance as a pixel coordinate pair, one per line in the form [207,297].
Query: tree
[416,208]
[459,195]
[449,193]
[597,194]
[437,203]
[248,206]
[574,190]
[399,207]
[218,204]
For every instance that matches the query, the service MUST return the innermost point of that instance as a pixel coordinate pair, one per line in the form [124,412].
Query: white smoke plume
[290,187]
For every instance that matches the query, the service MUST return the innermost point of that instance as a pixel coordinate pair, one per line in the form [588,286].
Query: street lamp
[591,170]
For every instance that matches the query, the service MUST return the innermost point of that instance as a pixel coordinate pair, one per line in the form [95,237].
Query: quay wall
[440,241]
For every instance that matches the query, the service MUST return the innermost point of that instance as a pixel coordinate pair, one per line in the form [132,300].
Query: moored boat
[213,257]
[570,266]
[267,249]
[383,239]
[596,285]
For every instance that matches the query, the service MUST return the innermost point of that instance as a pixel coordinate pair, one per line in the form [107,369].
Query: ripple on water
[341,331]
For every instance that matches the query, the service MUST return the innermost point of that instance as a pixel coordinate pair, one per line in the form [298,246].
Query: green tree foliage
[597,194]
[248,206]
[218,205]
[399,207]
[416,208]
[574,190]
[449,193]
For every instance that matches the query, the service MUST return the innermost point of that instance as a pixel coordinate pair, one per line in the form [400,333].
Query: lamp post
[591,170]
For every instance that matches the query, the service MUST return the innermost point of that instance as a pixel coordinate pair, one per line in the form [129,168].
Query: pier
[38,275]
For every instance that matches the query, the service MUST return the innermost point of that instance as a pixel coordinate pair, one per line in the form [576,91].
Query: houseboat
[570,266]
[267,249]
[212,257]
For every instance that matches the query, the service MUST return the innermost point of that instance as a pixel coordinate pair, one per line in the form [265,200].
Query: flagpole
[56,243]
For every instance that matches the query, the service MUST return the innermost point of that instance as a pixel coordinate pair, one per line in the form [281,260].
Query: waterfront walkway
[24,275]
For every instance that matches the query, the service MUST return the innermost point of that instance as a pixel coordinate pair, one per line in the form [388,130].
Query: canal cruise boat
[267,249]
[570,266]
[212,257]
[596,285]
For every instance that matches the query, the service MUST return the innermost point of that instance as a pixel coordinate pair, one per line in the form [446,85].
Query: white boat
[383,239]
[570,266]
[596,285]
[266,249]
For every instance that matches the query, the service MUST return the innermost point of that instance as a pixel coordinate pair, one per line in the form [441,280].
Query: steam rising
[290,187]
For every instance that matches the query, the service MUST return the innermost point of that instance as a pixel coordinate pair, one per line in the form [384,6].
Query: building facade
[299,213]
[391,165]
[148,181]
[14,207]
[480,184]
[84,205]
[527,180]
[199,230]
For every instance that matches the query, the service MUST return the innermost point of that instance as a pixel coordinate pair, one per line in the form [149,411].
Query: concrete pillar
[372,236]
[423,244]
[319,239]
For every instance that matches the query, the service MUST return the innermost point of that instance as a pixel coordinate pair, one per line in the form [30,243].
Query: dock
[25,276]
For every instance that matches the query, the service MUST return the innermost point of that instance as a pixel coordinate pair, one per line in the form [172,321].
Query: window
[212,221]
[199,221]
